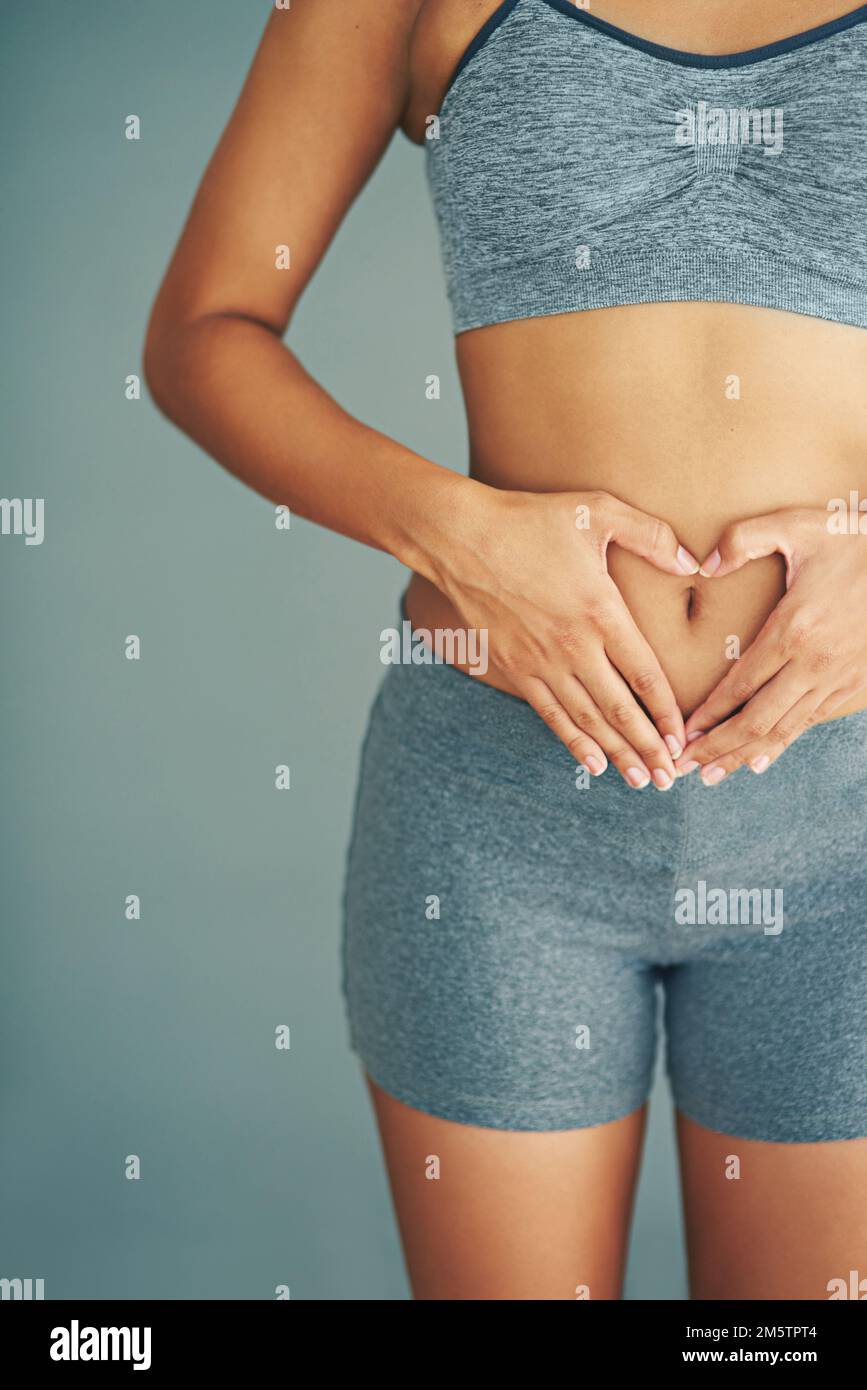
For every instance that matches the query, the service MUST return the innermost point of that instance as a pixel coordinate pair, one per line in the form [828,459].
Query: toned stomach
[700,414]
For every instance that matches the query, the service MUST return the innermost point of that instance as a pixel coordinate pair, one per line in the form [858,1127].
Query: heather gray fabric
[494,909]
[559,184]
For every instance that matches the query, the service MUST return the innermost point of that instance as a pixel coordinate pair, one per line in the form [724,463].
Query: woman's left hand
[808,659]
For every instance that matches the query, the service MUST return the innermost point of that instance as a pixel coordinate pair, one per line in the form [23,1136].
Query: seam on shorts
[495,1103]
[684,839]
[692,1111]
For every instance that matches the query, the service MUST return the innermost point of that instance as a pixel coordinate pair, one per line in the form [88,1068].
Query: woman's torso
[699,413]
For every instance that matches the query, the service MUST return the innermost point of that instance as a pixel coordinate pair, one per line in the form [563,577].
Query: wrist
[453,518]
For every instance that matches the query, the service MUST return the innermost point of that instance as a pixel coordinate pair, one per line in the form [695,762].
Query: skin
[793,1219]
[510,1215]
[609,632]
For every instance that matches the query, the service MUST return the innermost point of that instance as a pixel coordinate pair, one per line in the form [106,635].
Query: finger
[647,536]
[751,539]
[579,705]
[760,663]
[840,697]
[751,726]
[639,666]
[759,756]
[620,709]
[583,748]
[761,753]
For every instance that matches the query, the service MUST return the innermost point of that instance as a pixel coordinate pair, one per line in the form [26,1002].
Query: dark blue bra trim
[491,23]
[712,60]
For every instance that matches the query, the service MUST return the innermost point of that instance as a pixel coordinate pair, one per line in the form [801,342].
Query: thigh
[773,1221]
[767,1053]
[491,1214]
[498,992]
[492,976]
[767,1037]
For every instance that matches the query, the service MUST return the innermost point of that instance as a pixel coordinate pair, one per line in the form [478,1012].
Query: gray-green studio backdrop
[155,777]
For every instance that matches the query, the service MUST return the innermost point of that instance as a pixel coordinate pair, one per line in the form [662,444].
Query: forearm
[233,386]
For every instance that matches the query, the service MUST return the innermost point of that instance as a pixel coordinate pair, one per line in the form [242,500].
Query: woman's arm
[324,96]
[322,100]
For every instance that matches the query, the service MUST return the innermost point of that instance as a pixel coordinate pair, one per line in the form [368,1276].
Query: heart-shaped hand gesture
[810,657]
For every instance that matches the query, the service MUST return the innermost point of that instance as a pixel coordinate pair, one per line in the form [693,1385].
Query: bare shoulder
[375,29]
[442,31]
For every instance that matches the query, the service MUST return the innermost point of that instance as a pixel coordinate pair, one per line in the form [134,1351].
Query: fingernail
[712,775]
[661,779]
[696,733]
[636,777]
[688,767]
[688,563]
[759,764]
[673,746]
[595,765]
[711,564]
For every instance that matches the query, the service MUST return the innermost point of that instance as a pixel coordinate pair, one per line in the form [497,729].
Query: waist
[697,627]
[695,650]
[699,414]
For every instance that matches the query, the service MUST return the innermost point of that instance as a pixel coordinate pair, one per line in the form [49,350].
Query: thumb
[751,539]
[652,539]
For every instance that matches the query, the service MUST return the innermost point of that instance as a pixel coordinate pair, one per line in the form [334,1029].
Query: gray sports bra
[576,166]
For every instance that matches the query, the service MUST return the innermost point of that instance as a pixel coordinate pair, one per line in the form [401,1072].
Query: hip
[696,632]
[461,779]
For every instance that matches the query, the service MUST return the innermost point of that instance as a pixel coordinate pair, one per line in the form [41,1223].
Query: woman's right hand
[536,578]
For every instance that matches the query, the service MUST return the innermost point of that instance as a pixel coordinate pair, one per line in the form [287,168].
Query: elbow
[165,348]
[156,369]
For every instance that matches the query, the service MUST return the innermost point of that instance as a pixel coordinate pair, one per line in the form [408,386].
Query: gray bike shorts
[509,923]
